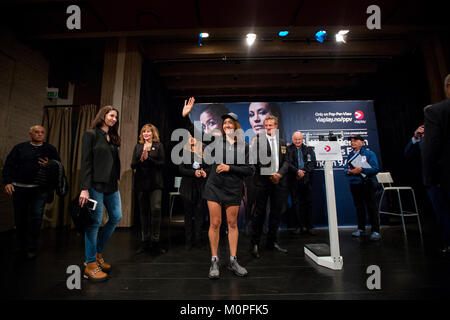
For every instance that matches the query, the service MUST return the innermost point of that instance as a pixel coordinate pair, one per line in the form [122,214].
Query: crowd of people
[219,187]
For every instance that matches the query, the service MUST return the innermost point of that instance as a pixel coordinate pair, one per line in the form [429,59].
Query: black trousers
[250,205]
[150,214]
[278,205]
[301,194]
[364,198]
[193,220]
[29,204]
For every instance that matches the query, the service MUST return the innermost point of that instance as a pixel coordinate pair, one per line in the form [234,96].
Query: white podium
[322,254]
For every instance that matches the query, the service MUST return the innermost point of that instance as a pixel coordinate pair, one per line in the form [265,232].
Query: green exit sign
[52,94]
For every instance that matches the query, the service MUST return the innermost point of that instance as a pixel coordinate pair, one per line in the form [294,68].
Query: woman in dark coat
[194,174]
[148,161]
[223,188]
[100,172]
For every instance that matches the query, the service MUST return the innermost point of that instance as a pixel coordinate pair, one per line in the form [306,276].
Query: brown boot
[102,264]
[94,273]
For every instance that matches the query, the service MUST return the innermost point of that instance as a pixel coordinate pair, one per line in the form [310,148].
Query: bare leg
[215,219]
[233,231]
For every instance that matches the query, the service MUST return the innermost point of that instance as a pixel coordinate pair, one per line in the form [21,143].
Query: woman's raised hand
[188,105]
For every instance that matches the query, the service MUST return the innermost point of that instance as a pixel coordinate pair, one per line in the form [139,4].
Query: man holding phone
[20,175]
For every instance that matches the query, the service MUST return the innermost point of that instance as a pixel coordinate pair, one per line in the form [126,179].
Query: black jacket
[309,159]
[283,165]
[149,173]
[192,187]
[22,165]
[97,159]
[436,145]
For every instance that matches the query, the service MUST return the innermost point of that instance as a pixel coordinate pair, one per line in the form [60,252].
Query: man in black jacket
[302,162]
[270,182]
[21,172]
[435,161]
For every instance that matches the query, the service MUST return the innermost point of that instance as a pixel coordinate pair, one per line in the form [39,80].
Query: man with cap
[361,169]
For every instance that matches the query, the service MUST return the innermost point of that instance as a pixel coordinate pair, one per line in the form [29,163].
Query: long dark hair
[99,121]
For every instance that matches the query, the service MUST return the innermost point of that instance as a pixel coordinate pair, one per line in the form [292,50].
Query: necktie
[273,147]
[301,163]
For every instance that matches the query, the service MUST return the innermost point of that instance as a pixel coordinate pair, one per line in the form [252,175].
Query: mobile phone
[91,204]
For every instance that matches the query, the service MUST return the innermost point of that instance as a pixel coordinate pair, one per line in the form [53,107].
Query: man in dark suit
[435,160]
[302,162]
[270,183]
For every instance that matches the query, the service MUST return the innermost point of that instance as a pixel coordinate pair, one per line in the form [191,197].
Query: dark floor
[410,269]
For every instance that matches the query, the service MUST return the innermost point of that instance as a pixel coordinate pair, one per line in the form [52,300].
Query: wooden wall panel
[129,126]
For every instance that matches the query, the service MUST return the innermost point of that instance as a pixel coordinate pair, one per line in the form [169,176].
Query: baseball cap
[356,137]
[230,115]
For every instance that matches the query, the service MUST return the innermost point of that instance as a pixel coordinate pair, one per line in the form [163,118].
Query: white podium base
[334,263]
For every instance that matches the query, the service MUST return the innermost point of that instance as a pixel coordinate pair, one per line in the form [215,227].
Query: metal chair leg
[172,200]
[401,211]
[417,211]
[381,201]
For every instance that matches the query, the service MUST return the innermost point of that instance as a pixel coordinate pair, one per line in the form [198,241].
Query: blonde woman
[194,173]
[148,161]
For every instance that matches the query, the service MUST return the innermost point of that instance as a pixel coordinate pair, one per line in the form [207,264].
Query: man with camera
[435,152]
[21,174]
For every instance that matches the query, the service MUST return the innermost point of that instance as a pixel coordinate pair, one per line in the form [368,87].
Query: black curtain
[401,93]
[158,108]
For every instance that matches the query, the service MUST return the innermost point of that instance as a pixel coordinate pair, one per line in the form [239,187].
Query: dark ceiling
[224,65]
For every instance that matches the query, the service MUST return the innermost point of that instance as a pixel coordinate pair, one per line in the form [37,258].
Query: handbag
[82,217]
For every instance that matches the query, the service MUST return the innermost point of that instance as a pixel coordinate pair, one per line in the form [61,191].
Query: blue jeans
[93,243]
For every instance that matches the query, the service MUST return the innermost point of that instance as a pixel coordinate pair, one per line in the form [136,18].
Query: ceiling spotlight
[283,33]
[200,38]
[341,36]
[251,37]
[321,35]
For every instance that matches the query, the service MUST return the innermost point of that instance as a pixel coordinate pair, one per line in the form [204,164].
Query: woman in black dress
[224,189]
[194,175]
[148,161]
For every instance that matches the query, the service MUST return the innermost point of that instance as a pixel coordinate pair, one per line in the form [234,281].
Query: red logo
[359,114]
[327,148]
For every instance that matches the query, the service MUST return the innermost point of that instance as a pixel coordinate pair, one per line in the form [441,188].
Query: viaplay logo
[359,115]
[327,148]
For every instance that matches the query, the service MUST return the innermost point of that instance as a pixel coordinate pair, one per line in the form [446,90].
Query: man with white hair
[435,161]
[302,162]
[21,177]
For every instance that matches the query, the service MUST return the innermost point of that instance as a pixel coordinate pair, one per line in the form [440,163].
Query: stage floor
[409,269]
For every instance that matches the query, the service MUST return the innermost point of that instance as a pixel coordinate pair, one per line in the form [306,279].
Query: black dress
[191,187]
[226,187]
